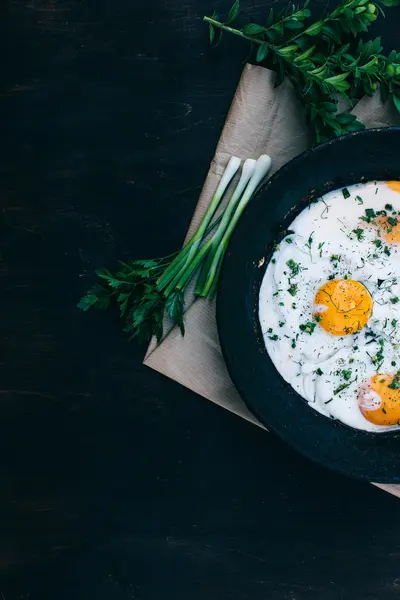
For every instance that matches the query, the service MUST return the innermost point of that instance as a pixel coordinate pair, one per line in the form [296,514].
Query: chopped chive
[392,221]
[387,251]
[395,300]
[319,372]
[294,267]
[378,243]
[359,233]
[343,387]
[359,200]
[388,207]
[346,193]
[308,327]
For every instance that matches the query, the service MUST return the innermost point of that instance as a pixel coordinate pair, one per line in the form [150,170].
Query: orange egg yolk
[390,228]
[394,185]
[342,307]
[379,403]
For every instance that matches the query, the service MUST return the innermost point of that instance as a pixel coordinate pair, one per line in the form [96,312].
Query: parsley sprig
[320,58]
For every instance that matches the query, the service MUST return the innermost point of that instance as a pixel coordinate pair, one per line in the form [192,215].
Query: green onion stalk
[171,277]
[208,278]
[247,172]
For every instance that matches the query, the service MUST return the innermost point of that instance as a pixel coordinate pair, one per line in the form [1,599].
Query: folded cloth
[263,119]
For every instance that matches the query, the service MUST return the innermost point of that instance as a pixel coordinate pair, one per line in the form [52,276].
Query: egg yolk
[379,403]
[390,228]
[342,306]
[394,185]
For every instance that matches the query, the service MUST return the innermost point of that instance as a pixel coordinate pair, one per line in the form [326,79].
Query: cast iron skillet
[363,156]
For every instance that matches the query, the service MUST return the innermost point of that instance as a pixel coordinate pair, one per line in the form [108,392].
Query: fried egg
[329,305]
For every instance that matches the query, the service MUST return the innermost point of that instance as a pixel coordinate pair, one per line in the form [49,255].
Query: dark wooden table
[115,482]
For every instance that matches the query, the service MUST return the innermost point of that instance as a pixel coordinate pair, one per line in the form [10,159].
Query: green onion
[172,275]
[206,285]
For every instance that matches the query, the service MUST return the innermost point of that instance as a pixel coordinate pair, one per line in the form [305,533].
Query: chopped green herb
[319,372]
[393,363]
[394,322]
[294,267]
[369,213]
[395,385]
[281,323]
[274,337]
[392,221]
[293,305]
[270,330]
[359,233]
[388,207]
[276,293]
[346,193]
[347,374]
[343,387]
[293,289]
[395,300]
[335,258]
[318,318]
[378,243]
[378,358]
[331,276]
[359,200]
[281,304]
[289,241]
[387,251]
[310,241]
[308,327]
[383,410]
[273,261]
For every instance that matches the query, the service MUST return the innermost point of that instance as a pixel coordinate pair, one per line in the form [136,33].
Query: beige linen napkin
[262,119]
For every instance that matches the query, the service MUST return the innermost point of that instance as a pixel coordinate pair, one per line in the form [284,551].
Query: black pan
[363,156]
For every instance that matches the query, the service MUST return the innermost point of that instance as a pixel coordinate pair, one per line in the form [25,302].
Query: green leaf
[175,306]
[262,52]
[315,28]
[338,82]
[305,55]
[96,297]
[212,33]
[331,33]
[234,12]
[293,24]
[390,2]
[252,29]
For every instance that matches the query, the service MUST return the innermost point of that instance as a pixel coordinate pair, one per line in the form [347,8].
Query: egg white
[313,363]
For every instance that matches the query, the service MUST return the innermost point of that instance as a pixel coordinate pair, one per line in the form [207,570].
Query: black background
[117,483]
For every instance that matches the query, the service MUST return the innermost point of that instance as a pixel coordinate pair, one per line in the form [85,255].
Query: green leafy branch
[320,59]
